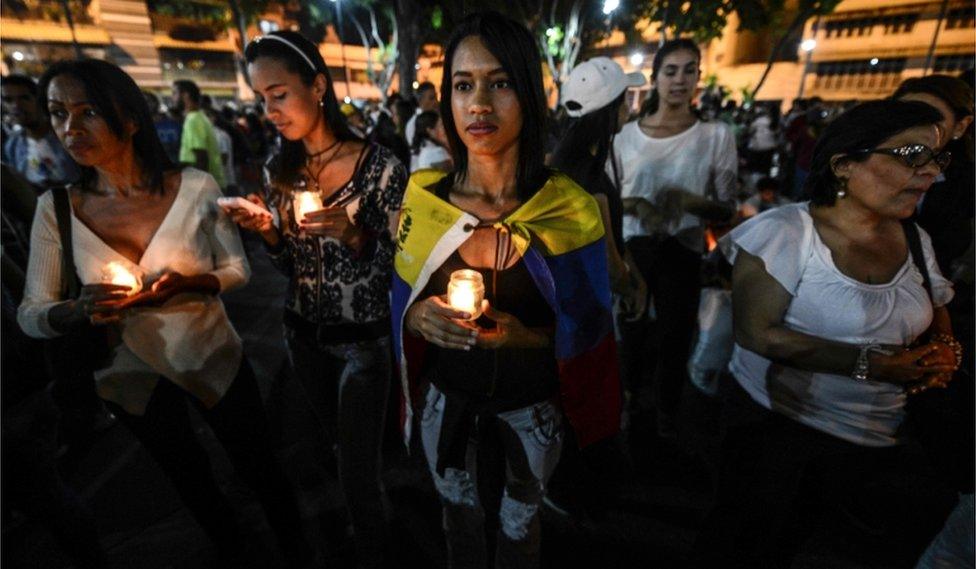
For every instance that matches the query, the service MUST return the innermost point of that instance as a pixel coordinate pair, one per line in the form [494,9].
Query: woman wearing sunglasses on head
[839,311]
[533,241]
[338,255]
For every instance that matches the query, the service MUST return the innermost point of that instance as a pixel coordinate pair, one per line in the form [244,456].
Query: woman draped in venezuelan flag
[494,390]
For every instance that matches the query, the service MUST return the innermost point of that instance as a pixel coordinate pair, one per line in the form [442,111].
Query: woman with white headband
[337,253]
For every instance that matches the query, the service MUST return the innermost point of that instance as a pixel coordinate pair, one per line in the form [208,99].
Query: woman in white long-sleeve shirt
[136,209]
[676,174]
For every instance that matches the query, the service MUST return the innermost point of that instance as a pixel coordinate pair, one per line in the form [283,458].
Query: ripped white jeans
[532,440]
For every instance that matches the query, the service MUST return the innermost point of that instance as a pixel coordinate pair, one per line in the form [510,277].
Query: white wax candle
[306,202]
[463,297]
[465,292]
[116,273]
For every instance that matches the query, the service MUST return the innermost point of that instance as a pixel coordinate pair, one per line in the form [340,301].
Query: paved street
[143,525]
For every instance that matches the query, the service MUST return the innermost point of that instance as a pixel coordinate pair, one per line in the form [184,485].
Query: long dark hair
[117,99]
[291,160]
[512,44]
[863,127]
[425,120]
[654,100]
[572,154]
[956,94]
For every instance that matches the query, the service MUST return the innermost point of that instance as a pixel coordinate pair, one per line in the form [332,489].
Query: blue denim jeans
[531,439]
[347,387]
[953,547]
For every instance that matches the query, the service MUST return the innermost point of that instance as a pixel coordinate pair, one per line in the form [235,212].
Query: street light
[807,45]
[637,59]
[609,6]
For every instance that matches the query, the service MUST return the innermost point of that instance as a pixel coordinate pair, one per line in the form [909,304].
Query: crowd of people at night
[524,288]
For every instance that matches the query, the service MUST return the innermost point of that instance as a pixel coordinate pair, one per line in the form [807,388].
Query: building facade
[862,50]
[157,45]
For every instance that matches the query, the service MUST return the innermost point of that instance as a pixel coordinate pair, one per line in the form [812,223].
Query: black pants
[33,485]
[673,276]
[241,426]
[777,474]
[347,386]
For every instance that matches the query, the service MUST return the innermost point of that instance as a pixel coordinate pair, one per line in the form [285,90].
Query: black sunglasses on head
[913,155]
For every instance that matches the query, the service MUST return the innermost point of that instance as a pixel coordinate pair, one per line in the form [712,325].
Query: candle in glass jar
[465,292]
[306,202]
[116,273]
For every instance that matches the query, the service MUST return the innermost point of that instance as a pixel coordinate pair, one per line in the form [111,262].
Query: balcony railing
[186,29]
[47,10]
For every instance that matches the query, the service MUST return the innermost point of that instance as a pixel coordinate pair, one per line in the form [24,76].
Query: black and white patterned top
[331,283]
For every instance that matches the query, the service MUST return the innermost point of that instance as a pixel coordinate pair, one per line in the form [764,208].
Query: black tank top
[504,379]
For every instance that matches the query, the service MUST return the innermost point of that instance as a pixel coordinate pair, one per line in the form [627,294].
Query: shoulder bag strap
[918,256]
[70,286]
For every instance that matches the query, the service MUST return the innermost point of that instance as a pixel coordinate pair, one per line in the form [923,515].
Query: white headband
[289,44]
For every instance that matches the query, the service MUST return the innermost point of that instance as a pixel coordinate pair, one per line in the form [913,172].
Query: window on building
[954,63]
[900,24]
[849,27]
[862,74]
[961,18]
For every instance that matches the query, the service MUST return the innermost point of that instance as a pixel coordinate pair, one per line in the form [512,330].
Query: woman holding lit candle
[337,199]
[134,218]
[532,243]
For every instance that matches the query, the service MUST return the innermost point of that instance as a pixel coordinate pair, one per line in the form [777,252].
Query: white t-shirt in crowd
[430,155]
[701,160]
[761,135]
[189,340]
[828,304]
[411,127]
[226,146]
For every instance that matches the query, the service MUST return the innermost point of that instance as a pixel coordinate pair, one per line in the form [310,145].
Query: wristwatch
[861,371]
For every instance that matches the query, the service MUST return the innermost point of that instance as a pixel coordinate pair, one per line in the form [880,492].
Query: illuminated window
[961,18]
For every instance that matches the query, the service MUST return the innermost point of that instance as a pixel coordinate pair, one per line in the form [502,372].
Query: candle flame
[117,274]
[306,202]
[465,292]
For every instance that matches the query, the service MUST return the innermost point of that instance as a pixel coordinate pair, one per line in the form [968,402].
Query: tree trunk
[408,43]
[79,54]
[935,37]
[241,23]
[800,19]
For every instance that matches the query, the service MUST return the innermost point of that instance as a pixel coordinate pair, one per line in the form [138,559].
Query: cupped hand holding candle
[117,274]
[465,292]
[305,202]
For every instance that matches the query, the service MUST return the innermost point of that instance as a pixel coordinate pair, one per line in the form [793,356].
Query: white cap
[594,84]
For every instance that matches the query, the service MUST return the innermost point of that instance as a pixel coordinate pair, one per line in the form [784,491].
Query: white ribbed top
[189,340]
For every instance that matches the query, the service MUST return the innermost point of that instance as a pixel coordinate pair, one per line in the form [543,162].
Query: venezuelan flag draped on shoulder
[560,235]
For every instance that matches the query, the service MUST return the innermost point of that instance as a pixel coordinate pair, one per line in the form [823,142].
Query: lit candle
[465,292]
[305,202]
[116,273]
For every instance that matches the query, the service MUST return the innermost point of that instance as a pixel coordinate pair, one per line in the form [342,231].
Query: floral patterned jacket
[330,283]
